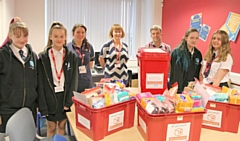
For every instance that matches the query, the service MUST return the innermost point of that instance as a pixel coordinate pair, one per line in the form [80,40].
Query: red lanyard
[55,65]
[118,53]
[81,55]
[209,65]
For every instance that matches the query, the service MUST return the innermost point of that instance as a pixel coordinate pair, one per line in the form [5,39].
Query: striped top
[111,70]
[163,46]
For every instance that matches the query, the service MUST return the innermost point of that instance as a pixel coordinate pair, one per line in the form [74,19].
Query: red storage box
[154,66]
[98,123]
[222,117]
[169,127]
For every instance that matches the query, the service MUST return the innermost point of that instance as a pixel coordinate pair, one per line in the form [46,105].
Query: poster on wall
[225,28]
[232,26]
[204,32]
[196,21]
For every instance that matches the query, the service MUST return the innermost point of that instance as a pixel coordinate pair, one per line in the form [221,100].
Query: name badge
[82,69]
[58,89]
[117,65]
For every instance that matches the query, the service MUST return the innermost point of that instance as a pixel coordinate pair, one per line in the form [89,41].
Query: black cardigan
[18,82]
[47,99]
[177,73]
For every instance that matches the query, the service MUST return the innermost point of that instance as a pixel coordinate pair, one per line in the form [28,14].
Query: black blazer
[47,100]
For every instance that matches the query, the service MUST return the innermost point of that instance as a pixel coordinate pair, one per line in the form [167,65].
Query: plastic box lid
[146,53]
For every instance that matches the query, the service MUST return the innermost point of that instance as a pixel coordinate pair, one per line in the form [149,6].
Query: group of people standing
[47,80]
[187,62]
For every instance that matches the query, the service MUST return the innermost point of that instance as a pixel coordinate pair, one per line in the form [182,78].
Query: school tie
[22,55]
[208,67]
[213,56]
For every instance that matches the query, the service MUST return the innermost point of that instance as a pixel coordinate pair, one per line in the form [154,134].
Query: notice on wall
[232,26]
[154,80]
[212,118]
[115,120]
[196,21]
[178,132]
[204,32]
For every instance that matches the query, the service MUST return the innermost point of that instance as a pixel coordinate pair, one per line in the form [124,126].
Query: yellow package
[197,109]
[144,102]
[107,99]
[228,90]
[121,85]
[132,94]
[234,99]
[183,103]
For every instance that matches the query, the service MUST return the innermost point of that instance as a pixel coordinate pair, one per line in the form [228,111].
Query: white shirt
[16,52]
[59,63]
[217,66]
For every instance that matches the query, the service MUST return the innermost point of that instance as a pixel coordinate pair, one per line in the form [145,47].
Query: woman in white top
[218,61]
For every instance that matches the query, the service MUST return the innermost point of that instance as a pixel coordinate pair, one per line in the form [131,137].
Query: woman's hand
[65,108]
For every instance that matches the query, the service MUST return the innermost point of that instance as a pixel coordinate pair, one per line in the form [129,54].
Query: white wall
[158,12]
[7,12]
[150,18]
[32,13]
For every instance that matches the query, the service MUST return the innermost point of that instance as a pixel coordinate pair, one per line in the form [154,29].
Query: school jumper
[48,99]
[18,82]
[178,74]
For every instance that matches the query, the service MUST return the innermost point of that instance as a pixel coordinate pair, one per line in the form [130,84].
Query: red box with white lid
[153,69]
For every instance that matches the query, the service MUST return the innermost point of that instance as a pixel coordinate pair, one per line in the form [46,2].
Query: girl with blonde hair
[57,79]
[18,74]
[218,60]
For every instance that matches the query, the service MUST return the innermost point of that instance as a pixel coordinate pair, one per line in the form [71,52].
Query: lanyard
[55,65]
[118,53]
[209,65]
[81,55]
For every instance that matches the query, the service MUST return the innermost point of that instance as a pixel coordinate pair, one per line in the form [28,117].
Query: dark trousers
[4,118]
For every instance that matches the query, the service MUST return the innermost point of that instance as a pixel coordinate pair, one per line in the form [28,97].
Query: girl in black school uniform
[58,79]
[185,60]
[18,74]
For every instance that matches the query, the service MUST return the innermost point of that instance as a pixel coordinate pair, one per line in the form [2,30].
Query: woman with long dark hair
[185,60]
